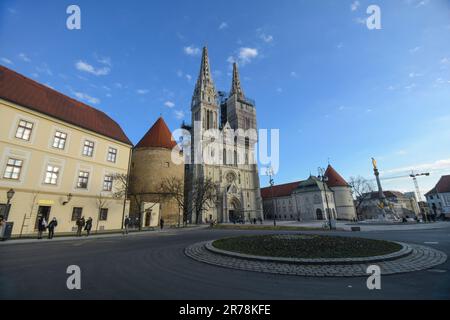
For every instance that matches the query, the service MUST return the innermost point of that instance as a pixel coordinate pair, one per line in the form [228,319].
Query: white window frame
[13,166]
[51,177]
[88,147]
[26,126]
[59,139]
[112,152]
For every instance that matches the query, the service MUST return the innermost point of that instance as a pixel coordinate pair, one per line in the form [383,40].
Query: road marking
[437,271]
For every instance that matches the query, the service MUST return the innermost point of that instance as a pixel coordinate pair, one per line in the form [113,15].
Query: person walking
[42,226]
[126,224]
[51,228]
[88,226]
[80,225]
[161,223]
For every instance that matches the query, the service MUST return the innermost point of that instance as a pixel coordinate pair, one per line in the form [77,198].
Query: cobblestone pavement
[420,258]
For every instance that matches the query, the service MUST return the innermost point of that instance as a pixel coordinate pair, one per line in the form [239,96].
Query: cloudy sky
[337,91]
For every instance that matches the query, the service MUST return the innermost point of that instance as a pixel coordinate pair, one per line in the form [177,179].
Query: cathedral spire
[236,84]
[204,88]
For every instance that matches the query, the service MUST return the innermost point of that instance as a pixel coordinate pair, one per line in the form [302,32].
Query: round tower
[151,164]
[343,198]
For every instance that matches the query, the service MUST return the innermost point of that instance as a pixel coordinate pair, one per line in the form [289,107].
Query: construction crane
[414,176]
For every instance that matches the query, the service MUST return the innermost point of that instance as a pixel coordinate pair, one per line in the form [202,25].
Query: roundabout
[315,256]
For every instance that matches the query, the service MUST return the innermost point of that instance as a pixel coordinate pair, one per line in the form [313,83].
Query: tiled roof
[282,190]
[334,178]
[159,136]
[30,94]
[443,186]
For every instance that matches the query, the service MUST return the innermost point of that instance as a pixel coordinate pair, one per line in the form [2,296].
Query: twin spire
[205,84]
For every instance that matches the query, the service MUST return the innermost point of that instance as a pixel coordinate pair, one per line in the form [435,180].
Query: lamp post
[324,179]
[9,196]
[272,183]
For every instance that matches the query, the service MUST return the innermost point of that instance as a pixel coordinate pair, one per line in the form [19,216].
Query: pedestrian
[254,221]
[80,225]
[126,224]
[88,226]
[42,226]
[161,223]
[51,228]
[2,225]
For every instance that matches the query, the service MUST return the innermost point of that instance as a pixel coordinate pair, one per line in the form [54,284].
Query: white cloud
[192,51]
[340,45]
[431,166]
[188,77]
[360,20]
[267,38]
[24,57]
[279,90]
[179,114]
[294,74]
[142,91]
[355,5]
[86,67]
[169,104]
[104,60]
[414,50]
[44,69]
[414,75]
[6,60]
[86,97]
[223,25]
[247,54]
[445,61]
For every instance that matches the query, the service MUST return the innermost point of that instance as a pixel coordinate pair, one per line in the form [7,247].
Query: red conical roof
[159,136]
[334,178]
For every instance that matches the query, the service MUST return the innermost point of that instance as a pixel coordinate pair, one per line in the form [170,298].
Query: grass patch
[263,227]
[307,246]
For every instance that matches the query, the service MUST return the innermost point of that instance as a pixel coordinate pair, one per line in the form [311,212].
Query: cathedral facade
[222,143]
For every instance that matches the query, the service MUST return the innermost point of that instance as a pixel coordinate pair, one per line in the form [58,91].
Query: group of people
[43,225]
[86,224]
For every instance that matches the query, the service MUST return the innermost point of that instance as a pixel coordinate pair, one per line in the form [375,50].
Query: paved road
[153,266]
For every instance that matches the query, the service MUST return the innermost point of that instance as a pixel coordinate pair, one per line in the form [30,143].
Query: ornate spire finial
[236,84]
[205,86]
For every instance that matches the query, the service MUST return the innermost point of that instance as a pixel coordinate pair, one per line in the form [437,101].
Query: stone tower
[228,118]
[151,164]
[343,198]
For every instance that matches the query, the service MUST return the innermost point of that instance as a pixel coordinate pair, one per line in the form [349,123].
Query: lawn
[264,227]
[307,246]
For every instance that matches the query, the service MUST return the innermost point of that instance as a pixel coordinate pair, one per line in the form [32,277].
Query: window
[76,213]
[88,149]
[51,175]
[112,155]
[59,140]
[103,214]
[83,179]
[24,130]
[13,169]
[108,183]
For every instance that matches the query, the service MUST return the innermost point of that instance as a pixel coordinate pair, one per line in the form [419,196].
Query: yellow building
[59,156]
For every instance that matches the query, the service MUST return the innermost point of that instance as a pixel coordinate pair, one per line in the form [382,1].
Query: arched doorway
[234,211]
[319,214]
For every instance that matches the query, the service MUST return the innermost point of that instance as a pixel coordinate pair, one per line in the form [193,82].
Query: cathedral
[222,143]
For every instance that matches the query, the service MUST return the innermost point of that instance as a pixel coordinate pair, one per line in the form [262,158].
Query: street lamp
[9,196]
[272,183]
[324,179]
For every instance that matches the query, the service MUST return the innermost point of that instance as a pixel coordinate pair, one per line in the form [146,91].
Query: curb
[403,252]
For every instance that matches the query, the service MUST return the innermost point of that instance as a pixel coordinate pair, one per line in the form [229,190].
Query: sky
[339,92]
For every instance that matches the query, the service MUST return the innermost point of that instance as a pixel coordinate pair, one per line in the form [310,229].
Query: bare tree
[362,189]
[173,189]
[102,203]
[121,183]
[203,196]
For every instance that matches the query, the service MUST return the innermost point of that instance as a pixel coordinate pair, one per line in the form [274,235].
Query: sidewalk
[347,226]
[100,236]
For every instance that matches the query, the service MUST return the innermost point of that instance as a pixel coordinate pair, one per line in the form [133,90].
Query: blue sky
[334,88]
